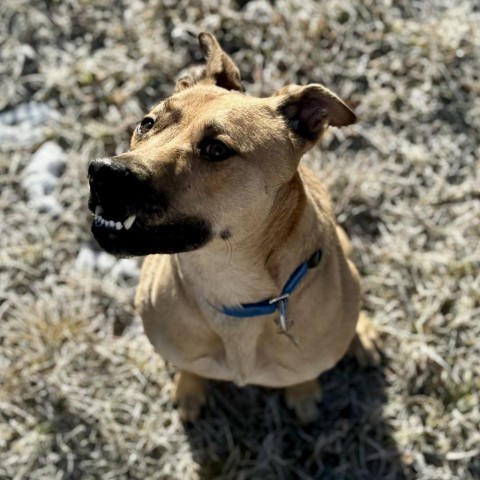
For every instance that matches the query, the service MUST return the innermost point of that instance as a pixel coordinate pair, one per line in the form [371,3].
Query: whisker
[229,250]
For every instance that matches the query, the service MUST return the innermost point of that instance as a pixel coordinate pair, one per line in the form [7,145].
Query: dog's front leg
[303,399]
[190,394]
[365,344]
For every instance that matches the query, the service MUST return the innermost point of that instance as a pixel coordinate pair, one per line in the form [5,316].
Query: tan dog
[213,180]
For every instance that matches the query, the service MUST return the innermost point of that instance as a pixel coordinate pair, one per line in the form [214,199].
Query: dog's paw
[303,399]
[190,395]
[365,344]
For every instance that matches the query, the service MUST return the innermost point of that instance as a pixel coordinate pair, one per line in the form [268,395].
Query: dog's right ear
[310,110]
[219,69]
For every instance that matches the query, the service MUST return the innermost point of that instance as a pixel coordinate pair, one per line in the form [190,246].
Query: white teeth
[129,222]
[112,223]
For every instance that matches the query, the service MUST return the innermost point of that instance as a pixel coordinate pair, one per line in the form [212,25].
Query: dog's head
[206,163]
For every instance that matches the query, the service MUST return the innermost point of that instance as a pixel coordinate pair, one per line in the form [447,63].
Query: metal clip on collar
[280,303]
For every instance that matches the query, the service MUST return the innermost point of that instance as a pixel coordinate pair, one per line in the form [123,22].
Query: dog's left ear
[220,68]
[310,110]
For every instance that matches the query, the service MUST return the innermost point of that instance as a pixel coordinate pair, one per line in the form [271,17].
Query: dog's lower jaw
[180,235]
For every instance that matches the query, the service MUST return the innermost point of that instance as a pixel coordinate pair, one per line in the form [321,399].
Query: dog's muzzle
[116,194]
[130,213]
[113,186]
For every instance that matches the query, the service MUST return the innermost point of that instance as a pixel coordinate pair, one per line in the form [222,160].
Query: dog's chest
[196,337]
[240,338]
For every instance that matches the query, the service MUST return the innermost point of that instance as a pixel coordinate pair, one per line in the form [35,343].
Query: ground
[83,396]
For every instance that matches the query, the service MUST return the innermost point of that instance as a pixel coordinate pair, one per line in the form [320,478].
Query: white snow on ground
[40,178]
[26,125]
[106,264]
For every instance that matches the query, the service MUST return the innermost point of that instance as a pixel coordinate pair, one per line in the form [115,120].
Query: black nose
[113,184]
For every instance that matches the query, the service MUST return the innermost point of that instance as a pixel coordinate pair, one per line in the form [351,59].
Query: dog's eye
[145,125]
[215,150]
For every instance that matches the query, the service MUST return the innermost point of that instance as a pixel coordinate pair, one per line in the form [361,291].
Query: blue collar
[270,305]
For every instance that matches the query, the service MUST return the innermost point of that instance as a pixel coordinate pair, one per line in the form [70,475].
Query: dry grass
[82,394]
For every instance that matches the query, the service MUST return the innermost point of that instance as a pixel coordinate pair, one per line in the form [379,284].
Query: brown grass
[82,394]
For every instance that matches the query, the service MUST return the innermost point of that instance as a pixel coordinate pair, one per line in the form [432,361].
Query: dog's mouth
[99,221]
[139,232]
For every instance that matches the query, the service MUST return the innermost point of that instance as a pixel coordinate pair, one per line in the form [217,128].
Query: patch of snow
[48,158]
[25,126]
[47,204]
[40,178]
[101,262]
[125,268]
[85,260]
[105,262]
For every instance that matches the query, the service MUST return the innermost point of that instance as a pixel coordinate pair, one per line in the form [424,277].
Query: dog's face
[206,163]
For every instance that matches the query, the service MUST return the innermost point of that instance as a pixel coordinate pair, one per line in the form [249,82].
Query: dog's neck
[256,266]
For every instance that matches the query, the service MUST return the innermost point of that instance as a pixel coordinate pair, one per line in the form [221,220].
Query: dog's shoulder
[317,190]
[155,278]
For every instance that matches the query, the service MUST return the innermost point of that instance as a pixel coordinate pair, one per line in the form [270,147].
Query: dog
[247,276]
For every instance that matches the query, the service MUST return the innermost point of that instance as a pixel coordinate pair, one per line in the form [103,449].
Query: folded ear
[220,68]
[310,110]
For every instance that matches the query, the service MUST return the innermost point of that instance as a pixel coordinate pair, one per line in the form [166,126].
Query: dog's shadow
[250,433]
